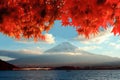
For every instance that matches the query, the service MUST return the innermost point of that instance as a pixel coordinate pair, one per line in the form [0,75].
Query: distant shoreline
[67,68]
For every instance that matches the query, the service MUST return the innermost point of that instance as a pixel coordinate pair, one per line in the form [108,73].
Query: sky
[104,43]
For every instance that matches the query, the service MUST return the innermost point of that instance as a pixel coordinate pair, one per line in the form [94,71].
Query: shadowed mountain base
[6,66]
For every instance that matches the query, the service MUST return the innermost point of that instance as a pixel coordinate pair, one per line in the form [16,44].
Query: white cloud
[36,50]
[6,58]
[115,45]
[49,39]
[111,53]
[86,48]
[66,53]
[118,41]
[101,37]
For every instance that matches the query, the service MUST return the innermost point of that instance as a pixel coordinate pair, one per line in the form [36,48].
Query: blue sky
[104,43]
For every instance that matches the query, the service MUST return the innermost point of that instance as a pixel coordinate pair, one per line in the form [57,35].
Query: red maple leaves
[29,18]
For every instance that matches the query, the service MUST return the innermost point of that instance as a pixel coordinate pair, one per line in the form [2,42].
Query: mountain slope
[64,60]
[6,66]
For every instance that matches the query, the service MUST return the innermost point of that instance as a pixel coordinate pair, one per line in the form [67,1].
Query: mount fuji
[66,48]
[60,55]
[63,47]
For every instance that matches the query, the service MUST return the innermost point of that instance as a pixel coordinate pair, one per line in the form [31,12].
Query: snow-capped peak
[63,47]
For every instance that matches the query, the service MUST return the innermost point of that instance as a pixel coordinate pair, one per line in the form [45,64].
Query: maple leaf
[28,18]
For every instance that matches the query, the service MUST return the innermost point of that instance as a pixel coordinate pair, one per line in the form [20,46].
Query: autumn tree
[30,18]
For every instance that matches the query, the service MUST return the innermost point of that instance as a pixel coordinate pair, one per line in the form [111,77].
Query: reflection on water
[61,75]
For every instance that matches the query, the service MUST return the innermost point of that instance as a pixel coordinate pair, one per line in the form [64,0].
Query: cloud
[49,39]
[115,45]
[21,53]
[118,41]
[86,48]
[101,37]
[111,53]
[36,50]
[6,58]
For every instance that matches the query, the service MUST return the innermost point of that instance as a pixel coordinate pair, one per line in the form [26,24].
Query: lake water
[61,75]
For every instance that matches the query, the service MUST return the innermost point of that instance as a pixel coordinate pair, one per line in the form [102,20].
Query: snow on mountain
[63,47]
[66,48]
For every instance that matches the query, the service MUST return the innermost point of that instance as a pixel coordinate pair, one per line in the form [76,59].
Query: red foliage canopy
[29,18]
